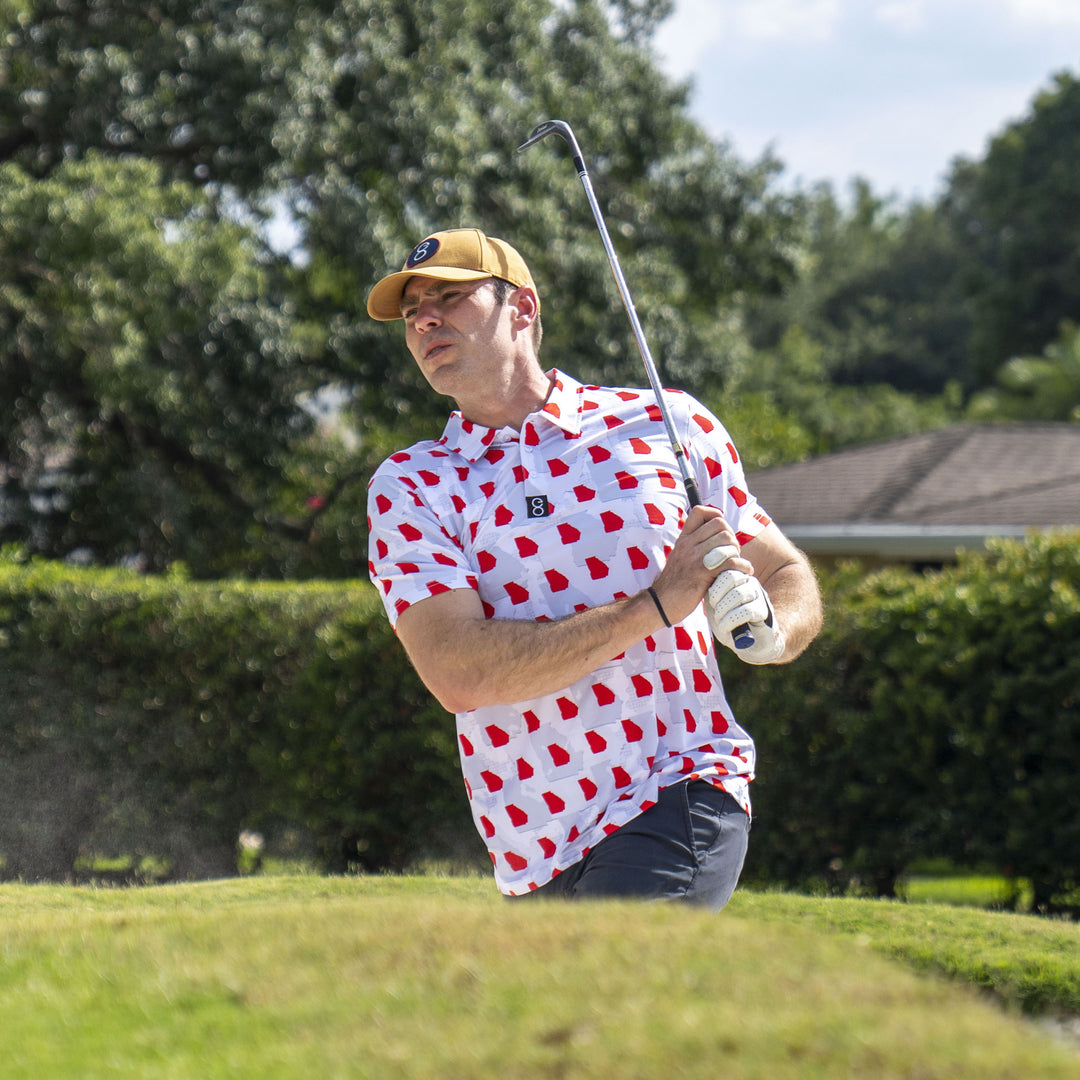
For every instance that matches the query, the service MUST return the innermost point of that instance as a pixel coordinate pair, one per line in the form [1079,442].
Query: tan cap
[453,255]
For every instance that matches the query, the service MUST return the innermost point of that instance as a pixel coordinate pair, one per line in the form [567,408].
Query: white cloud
[906,16]
[775,20]
[693,29]
[697,26]
[1050,13]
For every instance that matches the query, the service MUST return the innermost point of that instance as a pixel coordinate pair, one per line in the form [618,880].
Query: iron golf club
[741,635]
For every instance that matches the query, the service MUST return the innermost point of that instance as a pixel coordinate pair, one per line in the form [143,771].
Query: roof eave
[929,543]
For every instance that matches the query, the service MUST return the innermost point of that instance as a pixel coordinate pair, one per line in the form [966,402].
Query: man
[540,567]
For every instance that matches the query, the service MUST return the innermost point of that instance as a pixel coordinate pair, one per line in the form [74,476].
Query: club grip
[740,636]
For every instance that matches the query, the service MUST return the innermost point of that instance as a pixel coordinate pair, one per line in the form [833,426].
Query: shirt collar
[562,408]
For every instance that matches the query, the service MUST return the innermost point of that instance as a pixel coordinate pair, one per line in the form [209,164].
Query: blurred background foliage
[147,721]
[196,196]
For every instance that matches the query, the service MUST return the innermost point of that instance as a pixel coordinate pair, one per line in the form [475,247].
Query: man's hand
[705,543]
[735,598]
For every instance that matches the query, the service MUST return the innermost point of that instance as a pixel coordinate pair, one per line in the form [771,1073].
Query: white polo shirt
[577,509]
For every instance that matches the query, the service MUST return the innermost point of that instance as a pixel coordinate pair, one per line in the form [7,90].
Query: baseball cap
[451,255]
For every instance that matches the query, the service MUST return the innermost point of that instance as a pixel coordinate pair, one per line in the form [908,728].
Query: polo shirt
[577,509]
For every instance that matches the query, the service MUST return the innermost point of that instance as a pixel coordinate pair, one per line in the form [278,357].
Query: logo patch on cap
[422,252]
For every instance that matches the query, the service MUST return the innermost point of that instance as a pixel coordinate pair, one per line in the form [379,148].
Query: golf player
[541,567]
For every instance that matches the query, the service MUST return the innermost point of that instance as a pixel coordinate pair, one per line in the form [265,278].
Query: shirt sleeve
[718,470]
[411,555]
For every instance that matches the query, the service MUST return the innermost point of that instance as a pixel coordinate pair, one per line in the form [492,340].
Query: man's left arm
[789,615]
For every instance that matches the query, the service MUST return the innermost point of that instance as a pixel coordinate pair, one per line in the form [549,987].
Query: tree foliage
[878,290]
[1018,213]
[421,108]
[163,365]
[785,407]
[147,379]
[1045,387]
[192,84]
[373,122]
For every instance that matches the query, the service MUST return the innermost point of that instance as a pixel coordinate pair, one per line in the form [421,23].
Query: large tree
[156,355]
[404,119]
[148,383]
[150,378]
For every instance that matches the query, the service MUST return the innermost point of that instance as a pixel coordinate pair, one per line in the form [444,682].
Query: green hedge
[155,717]
[937,715]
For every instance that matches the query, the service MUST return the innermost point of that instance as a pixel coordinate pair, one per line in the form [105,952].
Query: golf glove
[735,598]
[718,555]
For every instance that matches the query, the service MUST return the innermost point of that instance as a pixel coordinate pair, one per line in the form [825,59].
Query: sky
[889,90]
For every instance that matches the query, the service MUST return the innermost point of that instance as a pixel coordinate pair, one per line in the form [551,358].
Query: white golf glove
[734,599]
[718,555]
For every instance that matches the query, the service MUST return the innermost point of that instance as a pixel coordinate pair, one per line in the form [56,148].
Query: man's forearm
[796,600]
[468,661]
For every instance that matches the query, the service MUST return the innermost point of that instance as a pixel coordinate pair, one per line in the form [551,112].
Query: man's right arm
[468,661]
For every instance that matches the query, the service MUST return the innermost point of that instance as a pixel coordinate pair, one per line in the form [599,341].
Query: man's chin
[444,378]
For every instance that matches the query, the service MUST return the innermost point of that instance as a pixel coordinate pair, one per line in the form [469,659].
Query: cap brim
[384,301]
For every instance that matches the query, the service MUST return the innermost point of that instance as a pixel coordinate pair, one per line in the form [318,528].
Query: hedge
[938,715]
[157,718]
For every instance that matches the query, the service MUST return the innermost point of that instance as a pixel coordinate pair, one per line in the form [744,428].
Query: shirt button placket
[537,498]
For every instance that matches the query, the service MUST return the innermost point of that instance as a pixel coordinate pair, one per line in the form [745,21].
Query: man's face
[457,331]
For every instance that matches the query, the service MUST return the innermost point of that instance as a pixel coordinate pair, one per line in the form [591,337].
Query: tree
[1045,387]
[147,380]
[878,289]
[1018,213]
[150,381]
[404,120]
[164,412]
[783,407]
[191,84]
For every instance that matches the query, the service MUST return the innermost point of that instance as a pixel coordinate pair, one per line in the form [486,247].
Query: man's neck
[508,403]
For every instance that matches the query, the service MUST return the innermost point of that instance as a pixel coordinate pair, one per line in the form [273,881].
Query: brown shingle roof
[1008,474]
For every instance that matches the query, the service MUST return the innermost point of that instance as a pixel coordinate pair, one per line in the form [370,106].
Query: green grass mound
[439,978]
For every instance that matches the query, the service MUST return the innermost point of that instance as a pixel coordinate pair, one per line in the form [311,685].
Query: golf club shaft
[559,127]
[741,635]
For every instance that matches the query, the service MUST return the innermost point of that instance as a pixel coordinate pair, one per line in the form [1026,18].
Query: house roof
[956,485]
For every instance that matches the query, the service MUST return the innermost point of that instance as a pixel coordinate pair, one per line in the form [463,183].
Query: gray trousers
[690,846]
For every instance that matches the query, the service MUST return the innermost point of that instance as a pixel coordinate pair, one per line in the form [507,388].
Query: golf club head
[551,127]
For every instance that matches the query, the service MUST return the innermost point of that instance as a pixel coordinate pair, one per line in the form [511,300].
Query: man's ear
[526,307]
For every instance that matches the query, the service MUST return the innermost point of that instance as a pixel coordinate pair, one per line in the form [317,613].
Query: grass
[968,890]
[1028,964]
[429,977]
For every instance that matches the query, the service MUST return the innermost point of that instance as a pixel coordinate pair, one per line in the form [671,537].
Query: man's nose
[428,315]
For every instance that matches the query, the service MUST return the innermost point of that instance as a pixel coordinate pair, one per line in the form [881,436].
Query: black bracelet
[659,607]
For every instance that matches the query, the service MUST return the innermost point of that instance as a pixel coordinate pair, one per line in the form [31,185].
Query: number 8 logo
[423,251]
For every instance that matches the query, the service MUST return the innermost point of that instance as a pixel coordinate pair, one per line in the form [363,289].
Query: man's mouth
[433,351]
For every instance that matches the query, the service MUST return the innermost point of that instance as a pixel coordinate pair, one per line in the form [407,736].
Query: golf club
[741,635]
